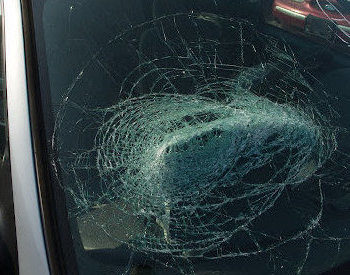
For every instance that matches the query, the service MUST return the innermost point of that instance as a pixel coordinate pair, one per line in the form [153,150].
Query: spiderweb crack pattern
[183,159]
[210,130]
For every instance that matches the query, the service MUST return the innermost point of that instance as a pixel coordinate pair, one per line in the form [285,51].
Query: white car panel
[32,256]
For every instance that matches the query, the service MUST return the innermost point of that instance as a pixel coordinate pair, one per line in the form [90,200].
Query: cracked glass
[200,137]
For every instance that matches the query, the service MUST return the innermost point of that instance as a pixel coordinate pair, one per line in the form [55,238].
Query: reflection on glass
[327,21]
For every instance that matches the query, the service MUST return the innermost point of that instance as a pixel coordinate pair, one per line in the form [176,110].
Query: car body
[319,17]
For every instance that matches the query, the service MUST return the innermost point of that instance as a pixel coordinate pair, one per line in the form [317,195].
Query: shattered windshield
[200,137]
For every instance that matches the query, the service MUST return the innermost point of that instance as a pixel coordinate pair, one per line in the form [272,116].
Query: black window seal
[54,216]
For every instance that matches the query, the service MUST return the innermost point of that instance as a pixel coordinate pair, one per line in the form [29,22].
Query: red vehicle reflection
[325,18]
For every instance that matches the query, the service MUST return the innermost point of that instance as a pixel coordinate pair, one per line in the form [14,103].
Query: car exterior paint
[294,14]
